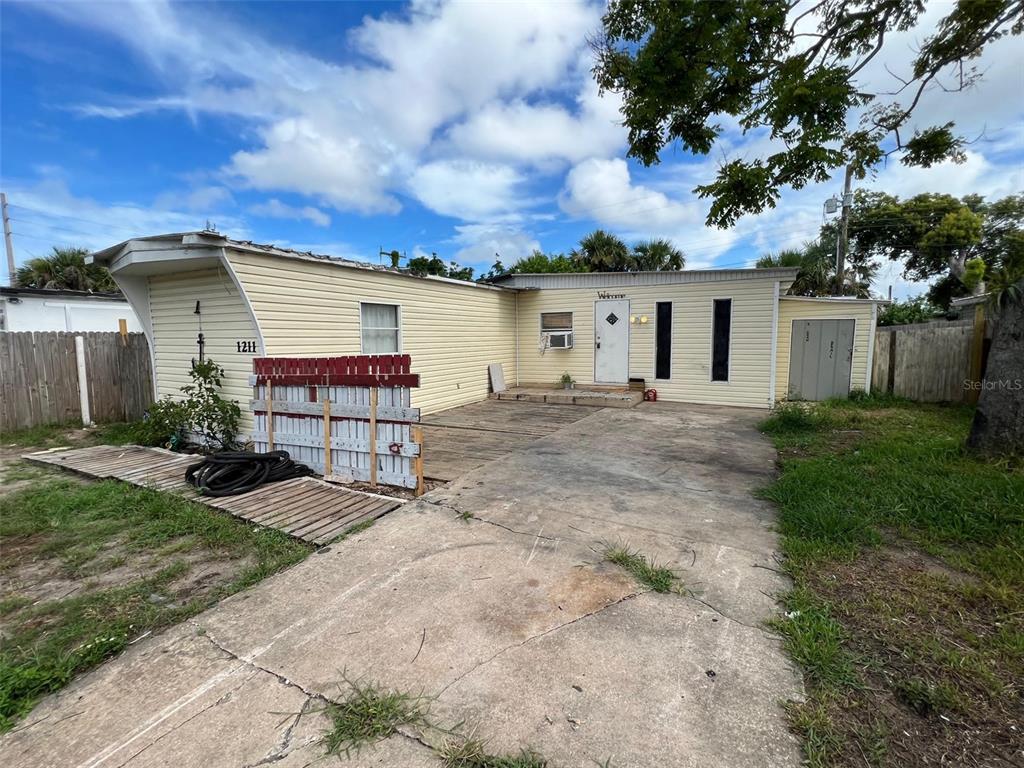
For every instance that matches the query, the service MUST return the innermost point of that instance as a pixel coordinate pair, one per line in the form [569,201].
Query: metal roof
[210,239]
[626,279]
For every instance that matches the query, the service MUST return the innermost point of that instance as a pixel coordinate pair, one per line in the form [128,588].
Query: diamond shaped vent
[612,319]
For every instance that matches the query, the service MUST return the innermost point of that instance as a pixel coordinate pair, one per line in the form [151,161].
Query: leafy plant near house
[209,415]
[917,309]
[202,412]
[567,380]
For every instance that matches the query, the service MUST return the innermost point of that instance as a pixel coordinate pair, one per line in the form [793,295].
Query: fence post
[327,435]
[417,437]
[83,381]
[270,416]
[373,437]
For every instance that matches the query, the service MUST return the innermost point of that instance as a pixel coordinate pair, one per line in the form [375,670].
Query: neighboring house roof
[49,293]
[626,279]
[967,301]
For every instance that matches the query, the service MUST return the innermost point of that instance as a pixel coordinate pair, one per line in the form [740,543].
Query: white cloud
[466,189]
[200,199]
[482,244]
[602,190]
[351,135]
[49,214]
[545,132]
[298,157]
[275,209]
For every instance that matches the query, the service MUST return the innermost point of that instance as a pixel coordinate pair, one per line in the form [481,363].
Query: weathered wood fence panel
[927,362]
[39,378]
[349,418]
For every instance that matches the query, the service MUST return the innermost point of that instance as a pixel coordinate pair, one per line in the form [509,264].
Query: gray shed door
[820,357]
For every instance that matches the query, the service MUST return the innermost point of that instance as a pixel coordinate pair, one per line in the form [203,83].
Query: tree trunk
[998,427]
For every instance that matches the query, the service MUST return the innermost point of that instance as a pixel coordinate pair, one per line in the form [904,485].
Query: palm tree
[64,268]
[657,255]
[817,271]
[603,252]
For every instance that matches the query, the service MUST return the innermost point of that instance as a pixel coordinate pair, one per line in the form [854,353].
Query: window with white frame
[381,330]
[556,330]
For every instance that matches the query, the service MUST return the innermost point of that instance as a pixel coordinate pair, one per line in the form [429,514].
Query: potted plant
[567,382]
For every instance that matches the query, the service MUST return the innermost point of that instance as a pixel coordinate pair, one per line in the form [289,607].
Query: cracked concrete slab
[423,598]
[650,681]
[499,617]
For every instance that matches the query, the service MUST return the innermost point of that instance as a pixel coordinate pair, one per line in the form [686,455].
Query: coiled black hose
[233,472]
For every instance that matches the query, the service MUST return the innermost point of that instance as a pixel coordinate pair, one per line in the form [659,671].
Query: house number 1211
[245,346]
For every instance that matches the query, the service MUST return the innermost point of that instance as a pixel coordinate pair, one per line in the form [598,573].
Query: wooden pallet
[306,507]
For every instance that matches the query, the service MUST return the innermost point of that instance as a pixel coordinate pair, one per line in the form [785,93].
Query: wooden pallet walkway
[305,507]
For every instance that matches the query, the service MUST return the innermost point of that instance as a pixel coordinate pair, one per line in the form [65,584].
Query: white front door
[611,341]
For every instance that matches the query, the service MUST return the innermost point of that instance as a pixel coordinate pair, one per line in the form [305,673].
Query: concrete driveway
[511,621]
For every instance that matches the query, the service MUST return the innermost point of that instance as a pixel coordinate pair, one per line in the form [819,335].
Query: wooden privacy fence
[41,381]
[928,362]
[348,418]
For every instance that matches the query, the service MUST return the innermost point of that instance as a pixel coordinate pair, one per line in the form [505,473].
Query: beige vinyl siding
[750,347]
[791,309]
[452,332]
[225,320]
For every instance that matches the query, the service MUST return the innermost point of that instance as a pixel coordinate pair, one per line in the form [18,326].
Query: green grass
[87,529]
[72,433]
[370,714]
[471,753]
[907,554]
[647,572]
[902,468]
[45,436]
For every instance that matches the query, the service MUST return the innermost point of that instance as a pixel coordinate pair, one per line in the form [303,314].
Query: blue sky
[466,129]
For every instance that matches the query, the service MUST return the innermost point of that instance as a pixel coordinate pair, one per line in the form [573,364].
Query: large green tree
[796,71]
[64,268]
[964,245]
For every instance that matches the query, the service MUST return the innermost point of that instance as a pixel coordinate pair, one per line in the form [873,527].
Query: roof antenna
[210,226]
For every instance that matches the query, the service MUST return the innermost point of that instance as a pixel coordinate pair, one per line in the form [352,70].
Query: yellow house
[724,337]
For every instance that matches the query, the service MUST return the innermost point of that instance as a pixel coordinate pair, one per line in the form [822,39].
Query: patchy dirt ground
[89,567]
[942,685]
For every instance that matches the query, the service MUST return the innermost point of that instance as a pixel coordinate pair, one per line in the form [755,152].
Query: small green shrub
[789,418]
[165,424]
[202,412]
[208,414]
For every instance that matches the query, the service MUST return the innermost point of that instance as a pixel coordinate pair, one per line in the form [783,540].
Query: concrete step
[595,398]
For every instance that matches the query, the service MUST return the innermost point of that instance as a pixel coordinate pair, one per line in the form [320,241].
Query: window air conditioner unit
[559,340]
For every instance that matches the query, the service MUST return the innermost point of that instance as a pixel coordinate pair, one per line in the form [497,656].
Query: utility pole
[844,232]
[7,239]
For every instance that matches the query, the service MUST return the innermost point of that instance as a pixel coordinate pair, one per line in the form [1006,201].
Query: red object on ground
[651,395]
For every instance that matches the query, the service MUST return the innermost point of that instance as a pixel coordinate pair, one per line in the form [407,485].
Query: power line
[50,214]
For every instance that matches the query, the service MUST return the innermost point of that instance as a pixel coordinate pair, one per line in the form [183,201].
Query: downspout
[774,344]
